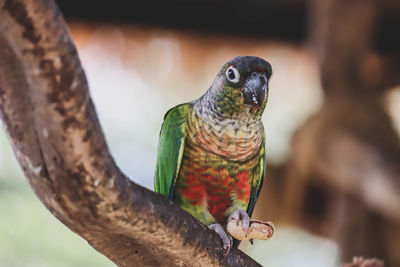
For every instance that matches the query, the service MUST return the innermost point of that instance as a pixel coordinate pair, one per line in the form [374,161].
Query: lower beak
[255,89]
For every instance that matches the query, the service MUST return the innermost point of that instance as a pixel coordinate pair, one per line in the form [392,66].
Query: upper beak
[255,89]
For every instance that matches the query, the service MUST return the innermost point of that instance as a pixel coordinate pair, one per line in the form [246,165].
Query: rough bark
[52,125]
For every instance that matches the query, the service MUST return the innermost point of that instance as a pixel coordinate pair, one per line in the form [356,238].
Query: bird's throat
[233,139]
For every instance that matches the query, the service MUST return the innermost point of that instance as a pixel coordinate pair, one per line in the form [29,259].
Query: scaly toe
[226,239]
[246,224]
[241,214]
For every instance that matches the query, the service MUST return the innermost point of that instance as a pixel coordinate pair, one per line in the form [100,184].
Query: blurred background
[332,122]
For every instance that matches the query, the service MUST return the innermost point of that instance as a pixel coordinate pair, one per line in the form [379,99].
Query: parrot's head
[241,87]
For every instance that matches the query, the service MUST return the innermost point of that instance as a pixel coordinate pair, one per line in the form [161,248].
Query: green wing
[257,180]
[170,149]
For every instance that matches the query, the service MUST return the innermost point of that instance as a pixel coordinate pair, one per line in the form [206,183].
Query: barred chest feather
[217,167]
[234,139]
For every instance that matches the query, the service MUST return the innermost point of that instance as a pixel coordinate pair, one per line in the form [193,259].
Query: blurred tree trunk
[343,177]
[52,125]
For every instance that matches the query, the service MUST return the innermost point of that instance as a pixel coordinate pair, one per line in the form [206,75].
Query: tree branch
[51,122]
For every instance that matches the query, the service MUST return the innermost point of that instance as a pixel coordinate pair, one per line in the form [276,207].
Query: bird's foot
[227,240]
[241,215]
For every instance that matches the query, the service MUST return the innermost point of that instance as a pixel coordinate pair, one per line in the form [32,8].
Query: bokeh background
[332,122]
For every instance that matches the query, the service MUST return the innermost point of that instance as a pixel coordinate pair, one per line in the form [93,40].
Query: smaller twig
[361,262]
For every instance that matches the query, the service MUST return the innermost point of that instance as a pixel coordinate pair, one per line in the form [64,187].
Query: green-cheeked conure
[211,152]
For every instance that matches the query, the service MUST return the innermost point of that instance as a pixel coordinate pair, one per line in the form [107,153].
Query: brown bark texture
[56,136]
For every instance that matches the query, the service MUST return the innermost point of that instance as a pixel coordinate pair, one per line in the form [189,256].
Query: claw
[241,215]
[251,241]
[227,240]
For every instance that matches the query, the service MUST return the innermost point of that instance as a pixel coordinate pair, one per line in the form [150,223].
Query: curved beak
[255,89]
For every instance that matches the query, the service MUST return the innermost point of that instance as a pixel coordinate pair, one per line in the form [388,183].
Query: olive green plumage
[211,154]
[170,149]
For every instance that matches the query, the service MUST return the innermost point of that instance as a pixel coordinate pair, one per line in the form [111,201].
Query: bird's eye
[232,74]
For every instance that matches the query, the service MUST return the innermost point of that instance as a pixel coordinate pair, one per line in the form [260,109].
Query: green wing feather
[170,149]
[257,181]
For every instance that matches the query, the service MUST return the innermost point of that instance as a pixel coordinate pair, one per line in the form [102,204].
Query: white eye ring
[232,74]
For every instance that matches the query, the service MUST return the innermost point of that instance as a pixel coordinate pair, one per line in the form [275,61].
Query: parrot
[211,152]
